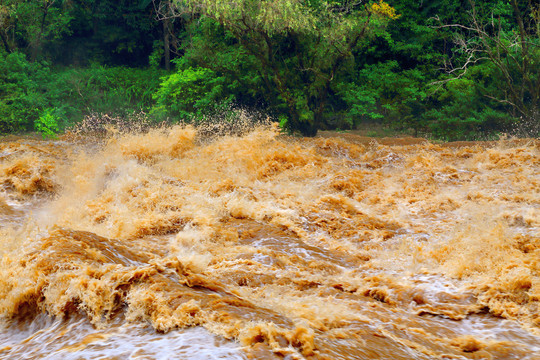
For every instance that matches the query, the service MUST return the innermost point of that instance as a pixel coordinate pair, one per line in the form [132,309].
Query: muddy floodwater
[172,245]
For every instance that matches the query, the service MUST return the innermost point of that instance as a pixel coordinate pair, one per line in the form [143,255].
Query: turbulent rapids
[167,244]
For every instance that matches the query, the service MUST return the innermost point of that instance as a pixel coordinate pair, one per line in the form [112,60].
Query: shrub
[385,93]
[23,92]
[190,93]
[34,96]
[47,123]
[98,89]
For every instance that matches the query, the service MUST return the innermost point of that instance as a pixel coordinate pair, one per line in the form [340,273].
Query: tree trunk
[306,128]
[167,43]
[36,44]
[4,41]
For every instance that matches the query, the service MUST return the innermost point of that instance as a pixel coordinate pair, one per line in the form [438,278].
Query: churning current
[166,244]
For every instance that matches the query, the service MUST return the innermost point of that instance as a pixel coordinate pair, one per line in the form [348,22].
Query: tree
[507,35]
[5,25]
[299,45]
[32,24]
[165,13]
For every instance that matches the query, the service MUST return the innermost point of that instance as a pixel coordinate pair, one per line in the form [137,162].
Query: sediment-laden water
[168,245]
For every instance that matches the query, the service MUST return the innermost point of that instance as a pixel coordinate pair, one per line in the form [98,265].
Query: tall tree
[5,26]
[32,24]
[507,35]
[165,13]
[299,45]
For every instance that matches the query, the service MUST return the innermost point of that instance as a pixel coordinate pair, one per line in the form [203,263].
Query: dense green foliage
[450,69]
[36,96]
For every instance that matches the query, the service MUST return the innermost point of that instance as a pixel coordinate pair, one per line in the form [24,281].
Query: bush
[386,93]
[98,89]
[23,92]
[191,93]
[47,123]
[463,108]
[34,96]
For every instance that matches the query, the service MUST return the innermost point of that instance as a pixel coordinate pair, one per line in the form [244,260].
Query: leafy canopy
[299,45]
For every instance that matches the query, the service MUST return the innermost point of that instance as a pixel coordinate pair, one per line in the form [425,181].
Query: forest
[441,69]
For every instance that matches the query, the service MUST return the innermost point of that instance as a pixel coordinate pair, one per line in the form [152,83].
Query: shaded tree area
[449,69]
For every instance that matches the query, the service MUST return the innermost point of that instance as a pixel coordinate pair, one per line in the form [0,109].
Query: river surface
[168,244]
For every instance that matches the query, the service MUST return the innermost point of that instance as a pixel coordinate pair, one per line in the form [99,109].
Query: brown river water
[169,245]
